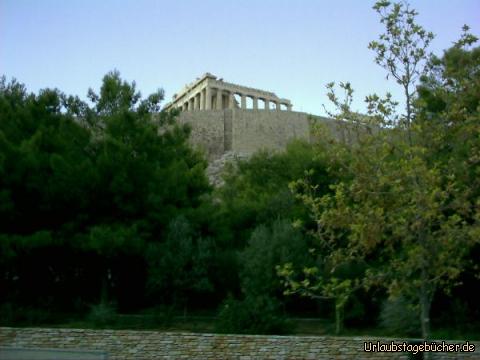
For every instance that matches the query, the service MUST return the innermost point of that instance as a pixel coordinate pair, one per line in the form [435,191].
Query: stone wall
[229,134]
[244,131]
[208,130]
[259,129]
[127,344]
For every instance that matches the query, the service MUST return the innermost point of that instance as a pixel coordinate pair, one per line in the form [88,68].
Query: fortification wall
[259,129]
[128,344]
[208,130]
[244,131]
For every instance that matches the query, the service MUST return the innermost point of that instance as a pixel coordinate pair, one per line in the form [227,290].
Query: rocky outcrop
[215,167]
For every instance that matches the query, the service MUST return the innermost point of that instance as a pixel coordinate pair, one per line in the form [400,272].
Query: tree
[256,190]
[146,176]
[398,207]
[267,247]
[94,181]
[45,173]
[402,49]
[180,266]
[259,311]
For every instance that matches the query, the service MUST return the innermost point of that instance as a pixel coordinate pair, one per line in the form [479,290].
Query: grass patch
[165,319]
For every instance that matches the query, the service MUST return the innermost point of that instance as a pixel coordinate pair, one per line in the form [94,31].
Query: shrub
[11,314]
[35,316]
[160,316]
[102,314]
[253,315]
[399,317]
[7,314]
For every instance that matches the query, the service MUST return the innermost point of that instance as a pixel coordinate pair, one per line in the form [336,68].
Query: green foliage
[267,247]
[99,181]
[181,264]
[398,207]
[7,314]
[160,316]
[253,315]
[13,315]
[399,317]
[402,49]
[109,240]
[327,283]
[256,190]
[102,314]
[106,201]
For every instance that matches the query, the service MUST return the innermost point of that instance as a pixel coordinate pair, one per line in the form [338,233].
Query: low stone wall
[126,344]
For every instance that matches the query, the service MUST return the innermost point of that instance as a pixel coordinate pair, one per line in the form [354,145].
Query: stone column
[219,99]
[202,100]
[244,101]
[195,102]
[231,101]
[277,105]
[289,107]
[255,102]
[190,104]
[267,104]
[208,98]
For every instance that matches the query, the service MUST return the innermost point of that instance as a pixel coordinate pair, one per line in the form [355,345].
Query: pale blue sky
[292,48]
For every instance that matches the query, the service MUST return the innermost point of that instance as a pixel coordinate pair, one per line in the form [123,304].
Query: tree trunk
[339,305]
[104,289]
[426,296]
[425,304]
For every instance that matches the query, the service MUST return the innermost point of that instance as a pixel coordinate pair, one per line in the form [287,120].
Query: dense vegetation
[105,208]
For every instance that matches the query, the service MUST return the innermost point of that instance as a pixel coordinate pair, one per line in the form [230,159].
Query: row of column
[204,101]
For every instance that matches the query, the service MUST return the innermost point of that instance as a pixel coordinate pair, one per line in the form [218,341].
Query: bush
[253,315]
[34,316]
[267,247]
[399,317]
[7,314]
[160,316]
[102,314]
[11,314]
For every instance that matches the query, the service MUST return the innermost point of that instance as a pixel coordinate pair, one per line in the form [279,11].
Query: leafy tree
[45,172]
[448,107]
[93,183]
[256,190]
[399,316]
[146,176]
[252,315]
[147,173]
[402,49]
[180,266]
[398,208]
[257,209]
[267,247]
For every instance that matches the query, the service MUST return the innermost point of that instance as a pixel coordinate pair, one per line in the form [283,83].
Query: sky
[290,47]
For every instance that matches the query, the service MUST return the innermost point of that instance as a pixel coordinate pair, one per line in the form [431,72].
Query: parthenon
[229,121]
[210,93]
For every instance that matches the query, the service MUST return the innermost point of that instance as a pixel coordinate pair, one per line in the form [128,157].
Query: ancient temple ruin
[229,121]
[226,117]
[210,93]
